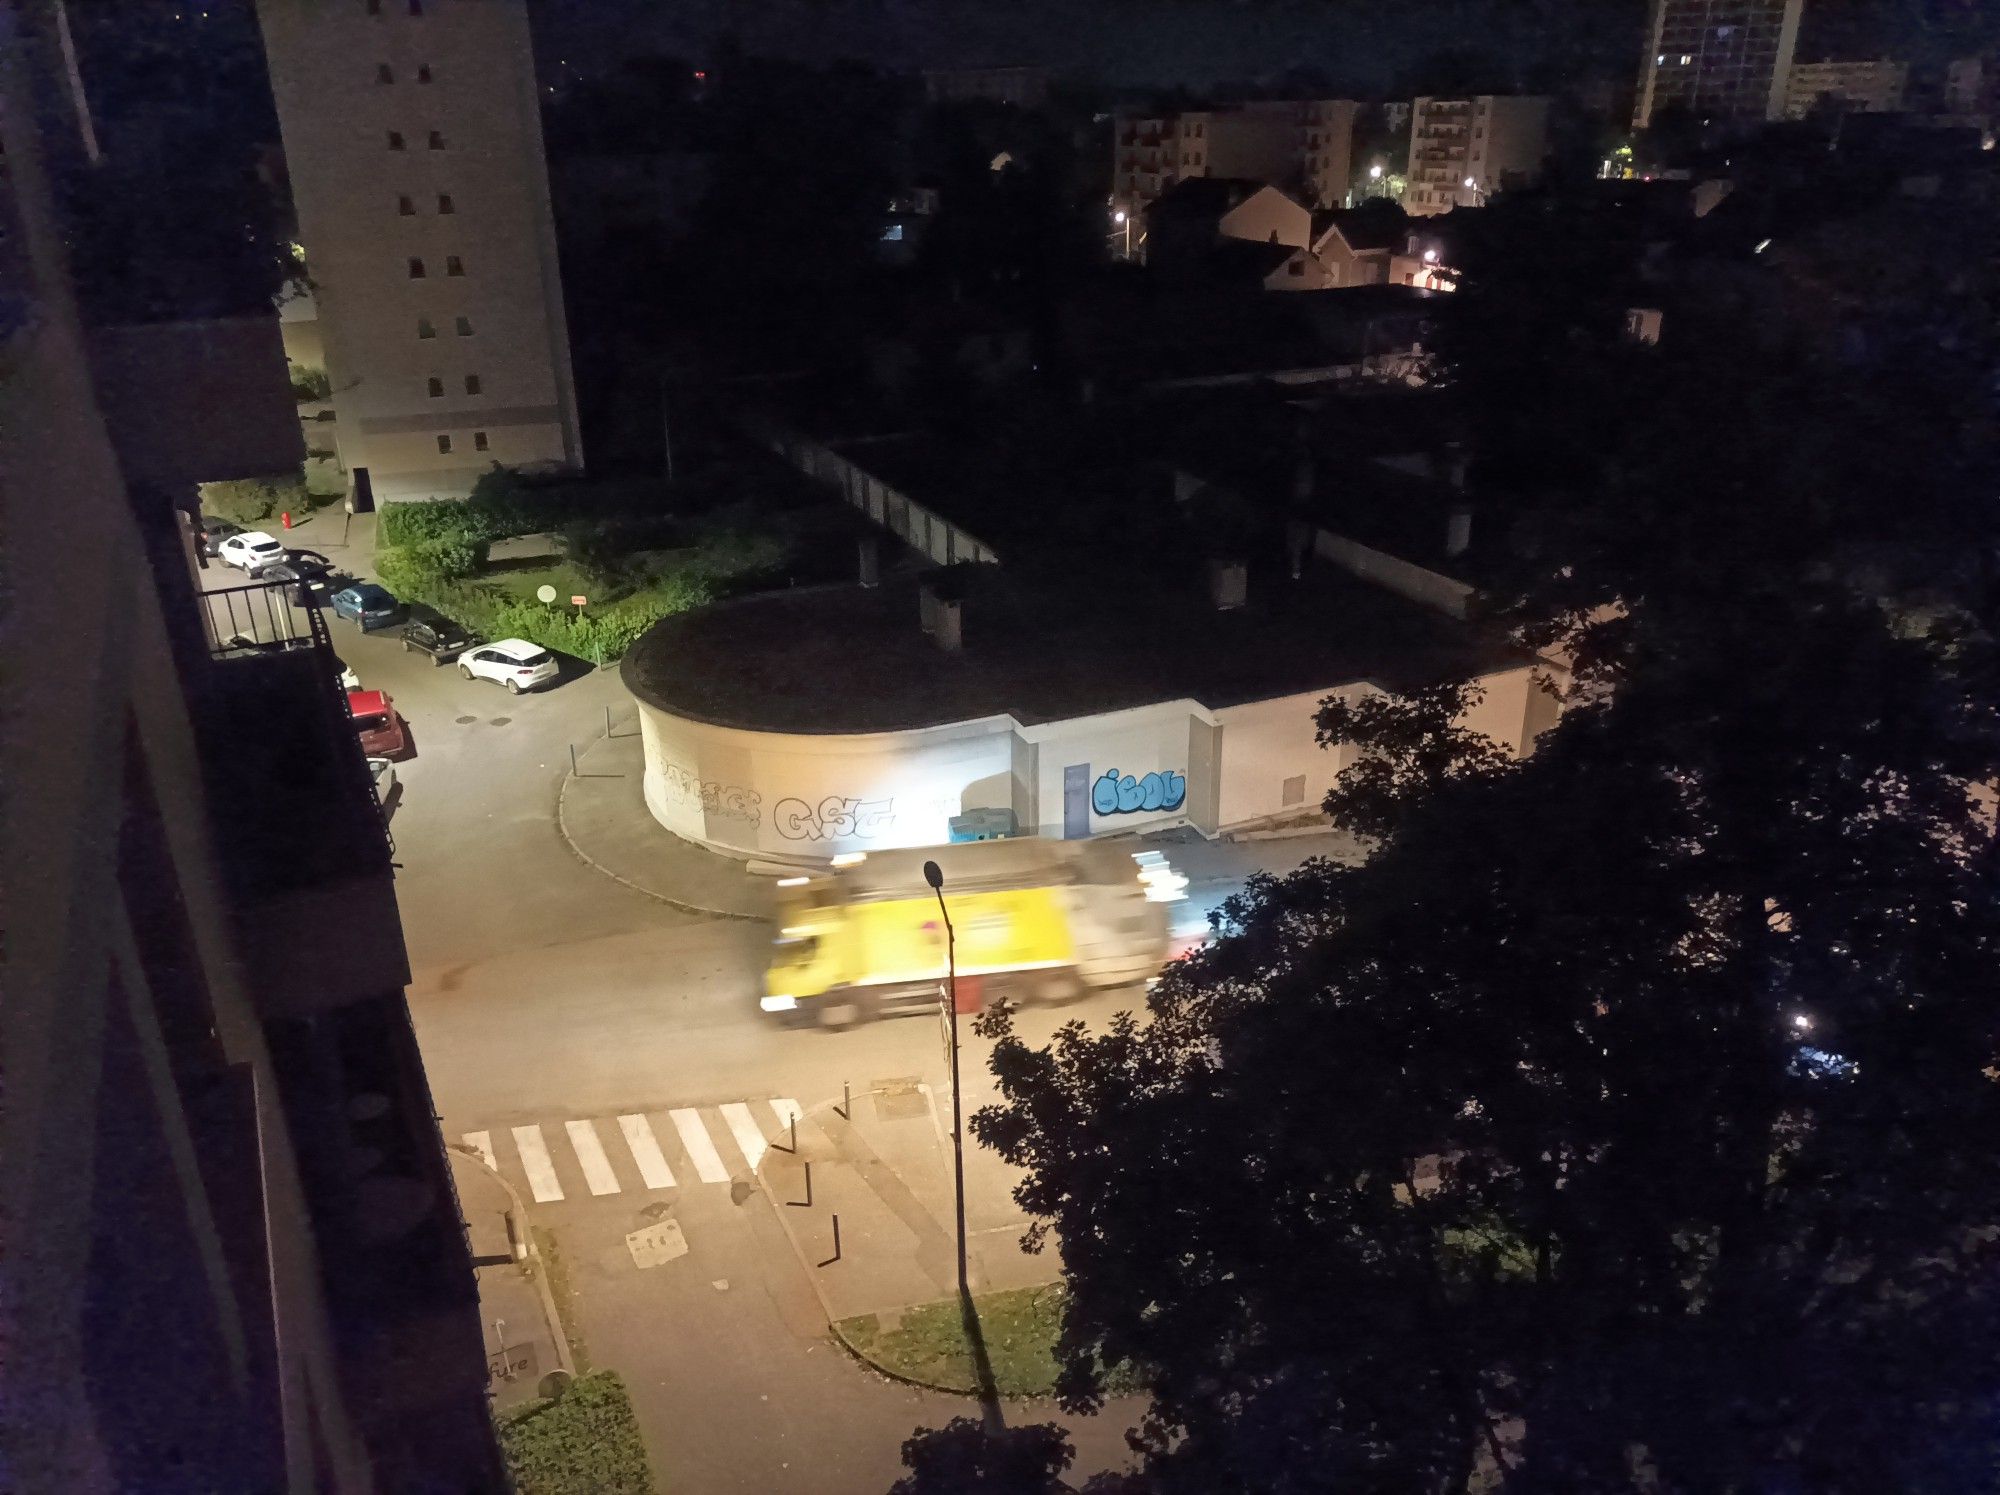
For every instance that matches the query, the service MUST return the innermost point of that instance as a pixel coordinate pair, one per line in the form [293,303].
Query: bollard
[846,1106]
[836,1244]
[572,761]
[607,722]
[807,1202]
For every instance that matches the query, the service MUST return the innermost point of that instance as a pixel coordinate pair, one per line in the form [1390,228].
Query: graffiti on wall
[731,801]
[836,817]
[1112,795]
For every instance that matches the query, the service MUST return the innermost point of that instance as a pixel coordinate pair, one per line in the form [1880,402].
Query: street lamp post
[1125,219]
[935,877]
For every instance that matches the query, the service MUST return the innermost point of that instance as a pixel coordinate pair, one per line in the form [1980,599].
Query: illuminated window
[395,140]
[437,389]
[444,445]
[472,384]
[479,441]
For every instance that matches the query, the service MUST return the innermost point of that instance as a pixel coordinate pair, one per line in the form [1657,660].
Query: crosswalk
[606,1155]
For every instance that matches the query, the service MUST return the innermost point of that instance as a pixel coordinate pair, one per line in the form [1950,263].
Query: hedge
[585,1442]
[249,501]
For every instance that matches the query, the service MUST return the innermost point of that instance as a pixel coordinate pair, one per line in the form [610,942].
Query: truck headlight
[777,1004]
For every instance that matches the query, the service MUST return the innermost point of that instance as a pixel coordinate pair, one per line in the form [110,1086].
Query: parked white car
[252,550]
[513,662]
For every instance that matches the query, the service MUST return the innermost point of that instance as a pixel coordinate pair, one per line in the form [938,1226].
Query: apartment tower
[1464,150]
[413,140]
[1725,60]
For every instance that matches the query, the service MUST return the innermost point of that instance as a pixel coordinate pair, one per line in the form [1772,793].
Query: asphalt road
[550,1002]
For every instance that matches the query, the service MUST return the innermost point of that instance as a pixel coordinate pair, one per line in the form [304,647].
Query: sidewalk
[523,1333]
[885,1171]
[601,812]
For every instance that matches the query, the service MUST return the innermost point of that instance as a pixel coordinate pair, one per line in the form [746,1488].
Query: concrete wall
[1268,216]
[1405,578]
[924,531]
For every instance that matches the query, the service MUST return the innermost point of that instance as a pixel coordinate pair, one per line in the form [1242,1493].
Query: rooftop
[853,660]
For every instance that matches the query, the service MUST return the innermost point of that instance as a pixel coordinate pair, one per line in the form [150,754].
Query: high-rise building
[1725,60]
[1464,150]
[414,145]
[1860,87]
[234,1260]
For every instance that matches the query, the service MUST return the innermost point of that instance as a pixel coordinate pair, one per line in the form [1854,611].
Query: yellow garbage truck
[1034,919]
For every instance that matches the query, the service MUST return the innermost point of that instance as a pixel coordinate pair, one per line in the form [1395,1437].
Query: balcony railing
[262,618]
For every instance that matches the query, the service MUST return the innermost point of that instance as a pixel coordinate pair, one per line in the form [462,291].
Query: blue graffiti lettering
[1114,794]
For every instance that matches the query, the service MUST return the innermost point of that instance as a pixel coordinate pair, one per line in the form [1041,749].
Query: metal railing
[261,617]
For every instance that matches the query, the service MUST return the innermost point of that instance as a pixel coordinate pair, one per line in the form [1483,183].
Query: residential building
[1305,146]
[1858,87]
[1727,61]
[1023,87]
[1354,247]
[1268,216]
[1464,150]
[234,1258]
[414,145]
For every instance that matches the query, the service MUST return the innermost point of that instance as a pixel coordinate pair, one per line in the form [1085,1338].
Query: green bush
[309,385]
[249,501]
[585,1442]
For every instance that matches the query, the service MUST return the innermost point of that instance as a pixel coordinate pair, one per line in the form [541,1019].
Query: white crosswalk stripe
[694,1137]
[590,1153]
[743,1127]
[538,1165]
[646,1152]
[696,1129]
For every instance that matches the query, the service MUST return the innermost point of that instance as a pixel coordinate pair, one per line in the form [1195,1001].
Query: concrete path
[524,1338]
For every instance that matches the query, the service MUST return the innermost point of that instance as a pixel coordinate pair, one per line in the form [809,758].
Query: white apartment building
[413,140]
[1306,145]
[1864,87]
[1462,151]
[1722,59]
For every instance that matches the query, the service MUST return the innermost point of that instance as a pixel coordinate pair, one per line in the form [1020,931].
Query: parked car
[383,772]
[430,633]
[214,531]
[250,549]
[377,724]
[513,662]
[345,671]
[366,605]
[316,578]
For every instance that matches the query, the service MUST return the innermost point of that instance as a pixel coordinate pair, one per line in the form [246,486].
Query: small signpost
[545,594]
[578,602]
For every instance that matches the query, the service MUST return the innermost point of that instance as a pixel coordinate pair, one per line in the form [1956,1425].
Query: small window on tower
[472,384]
[444,445]
[384,73]
[479,441]
[416,268]
[374,7]
[437,140]
[453,265]
[445,203]
[395,140]
[416,7]
[423,72]
[424,328]
[437,389]
[465,327]
[407,208]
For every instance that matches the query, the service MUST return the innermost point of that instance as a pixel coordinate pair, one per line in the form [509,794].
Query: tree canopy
[1626,1120]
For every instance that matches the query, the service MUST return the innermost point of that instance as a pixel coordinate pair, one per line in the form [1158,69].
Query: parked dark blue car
[367,605]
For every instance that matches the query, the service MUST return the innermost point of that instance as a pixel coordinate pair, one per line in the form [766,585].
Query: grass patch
[928,1346]
[585,1442]
[549,1254]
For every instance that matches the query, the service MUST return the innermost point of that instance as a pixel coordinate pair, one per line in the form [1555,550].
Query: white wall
[1267,216]
[1133,743]
[1266,742]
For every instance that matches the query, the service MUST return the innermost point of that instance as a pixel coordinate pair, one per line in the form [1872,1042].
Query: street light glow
[1469,182]
[1375,173]
[1430,256]
[1119,216]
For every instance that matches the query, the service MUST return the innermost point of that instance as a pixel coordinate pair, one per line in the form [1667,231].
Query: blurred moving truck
[1035,920]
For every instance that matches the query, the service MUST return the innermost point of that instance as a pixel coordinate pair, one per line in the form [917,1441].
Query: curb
[834,1331]
[553,1319]
[679,905]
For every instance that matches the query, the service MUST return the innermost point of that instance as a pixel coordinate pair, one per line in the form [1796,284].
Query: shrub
[409,570]
[309,385]
[249,501]
[585,1442]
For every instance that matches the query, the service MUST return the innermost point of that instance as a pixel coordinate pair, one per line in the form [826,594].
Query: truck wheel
[1057,987]
[841,1010]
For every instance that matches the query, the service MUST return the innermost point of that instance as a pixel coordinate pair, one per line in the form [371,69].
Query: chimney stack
[1228,584]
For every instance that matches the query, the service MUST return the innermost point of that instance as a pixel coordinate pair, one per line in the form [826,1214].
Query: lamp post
[1124,219]
[935,877]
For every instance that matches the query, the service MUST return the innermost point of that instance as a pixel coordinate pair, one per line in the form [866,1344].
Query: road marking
[646,1152]
[694,1137]
[590,1152]
[482,1143]
[744,1130]
[788,1111]
[540,1168]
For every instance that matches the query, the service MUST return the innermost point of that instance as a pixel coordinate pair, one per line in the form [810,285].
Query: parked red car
[375,720]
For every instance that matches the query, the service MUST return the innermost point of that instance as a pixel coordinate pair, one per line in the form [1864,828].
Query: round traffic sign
[545,593]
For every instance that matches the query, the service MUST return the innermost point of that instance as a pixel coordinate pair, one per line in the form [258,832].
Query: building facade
[413,141]
[1305,146]
[1724,60]
[1464,150]
[1861,87]
[224,1270]
[1024,87]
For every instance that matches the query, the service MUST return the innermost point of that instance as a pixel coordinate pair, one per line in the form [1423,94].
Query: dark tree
[1625,1122]
[962,1458]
